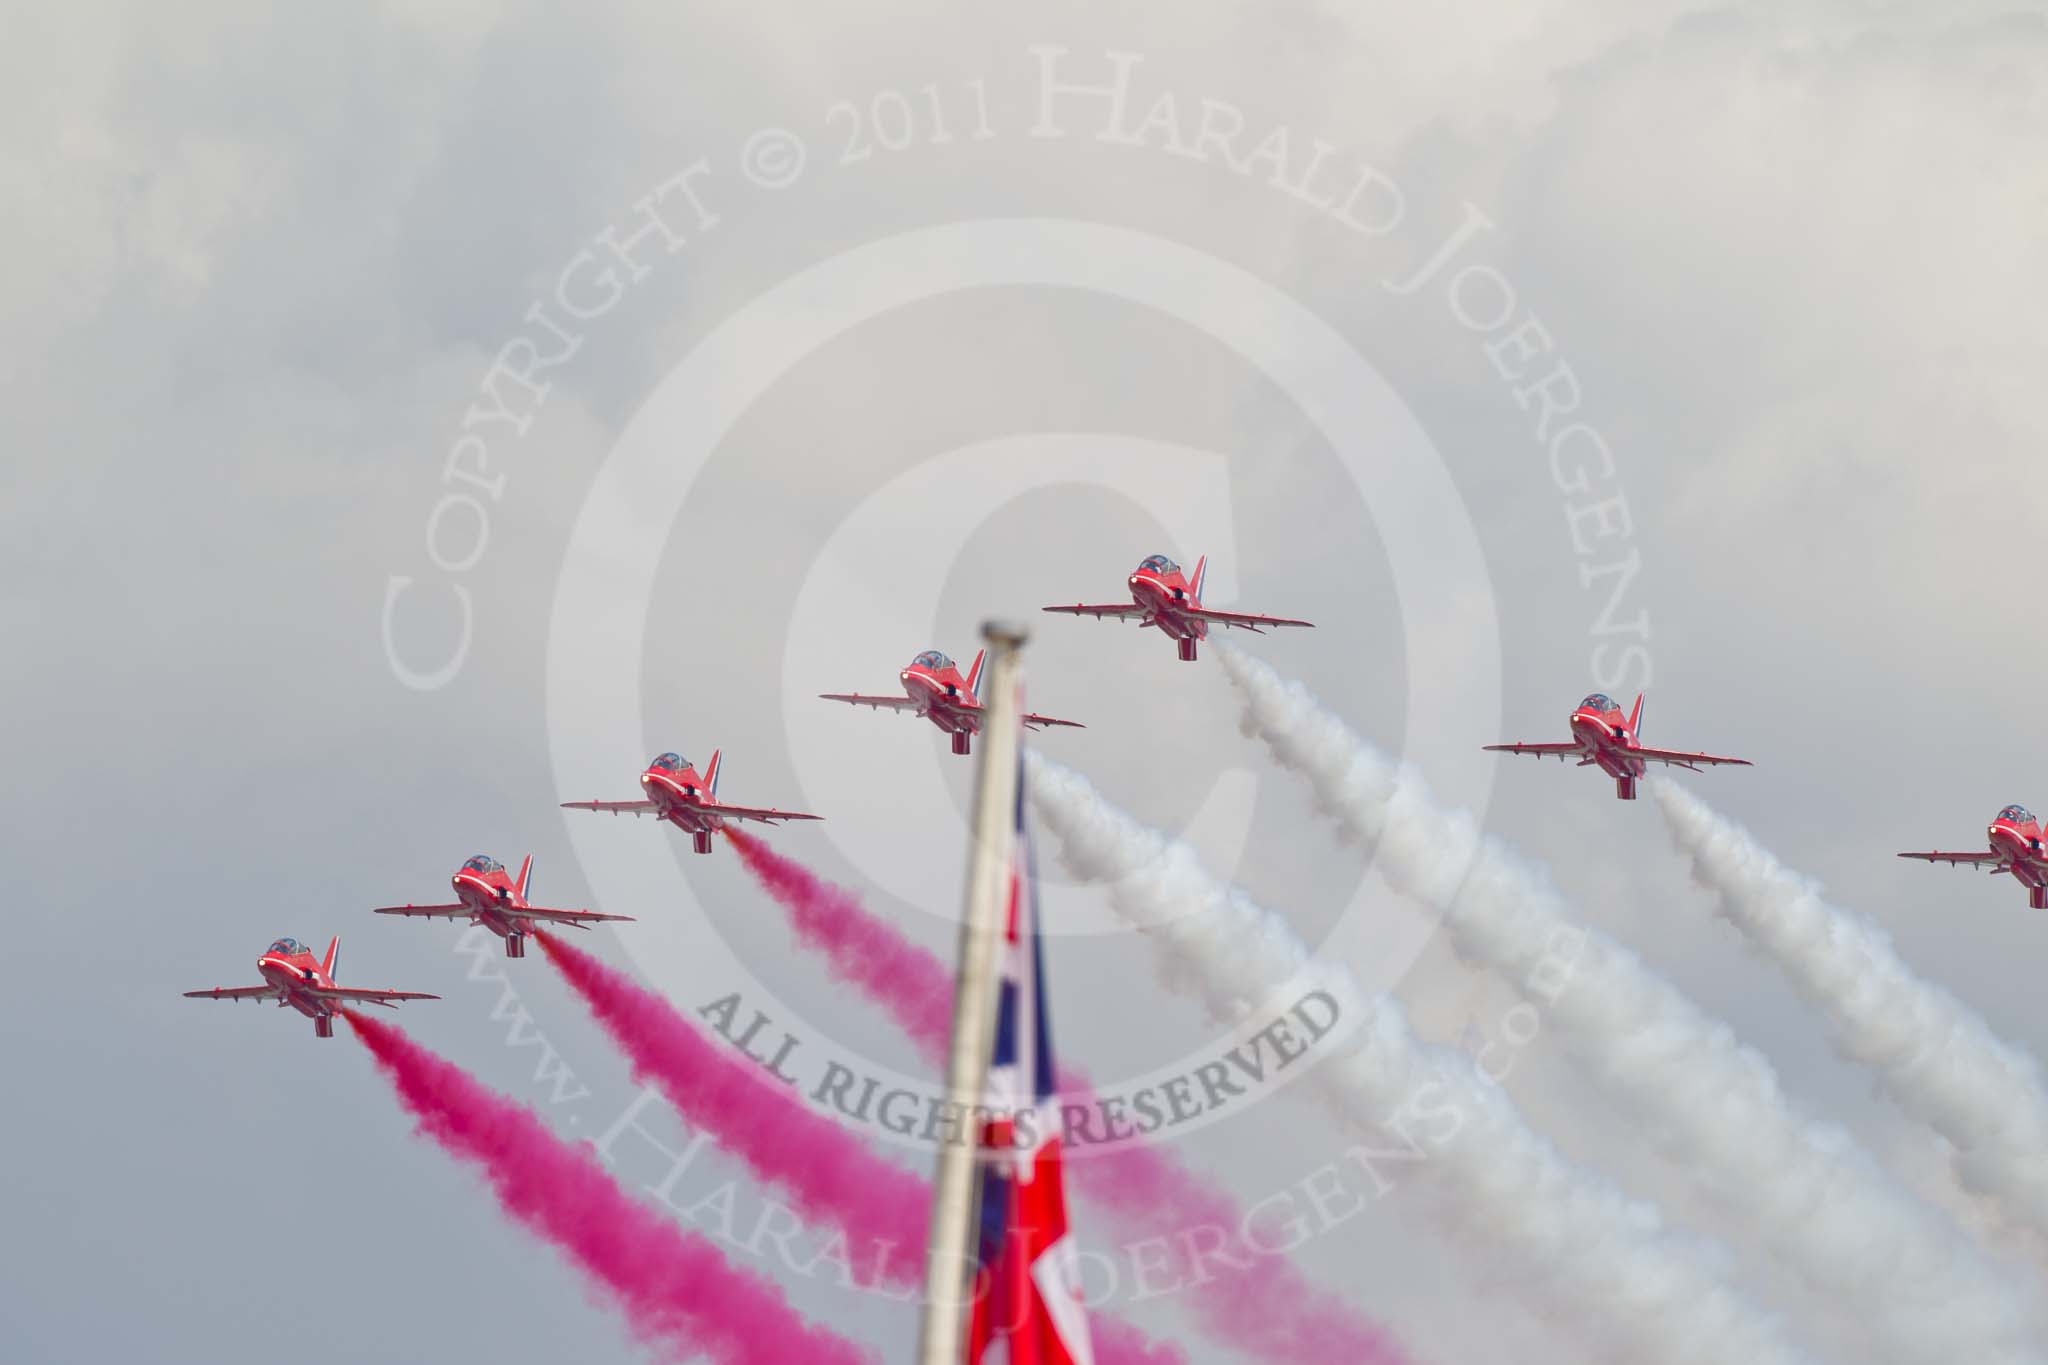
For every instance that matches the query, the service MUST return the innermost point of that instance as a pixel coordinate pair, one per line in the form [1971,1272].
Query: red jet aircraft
[677,794]
[1604,738]
[1164,600]
[2015,850]
[486,894]
[934,689]
[292,977]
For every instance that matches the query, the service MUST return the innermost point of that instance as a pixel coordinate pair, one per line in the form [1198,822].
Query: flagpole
[957,1185]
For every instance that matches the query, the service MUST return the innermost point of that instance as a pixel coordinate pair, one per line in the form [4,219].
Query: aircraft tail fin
[1200,575]
[711,773]
[525,883]
[974,673]
[1635,719]
[328,962]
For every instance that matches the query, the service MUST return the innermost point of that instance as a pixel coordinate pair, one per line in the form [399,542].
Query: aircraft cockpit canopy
[670,763]
[287,947]
[932,659]
[1599,701]
[1159,564]
[483,866]
[2019,815]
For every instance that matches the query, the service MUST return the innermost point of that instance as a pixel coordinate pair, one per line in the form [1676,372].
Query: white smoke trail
[1936,1057]
[1588,1250]
[1821,1204]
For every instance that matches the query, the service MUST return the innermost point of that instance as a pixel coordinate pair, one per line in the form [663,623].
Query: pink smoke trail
[679,1294]
[1272,1311]
[829,1173]
[915,987]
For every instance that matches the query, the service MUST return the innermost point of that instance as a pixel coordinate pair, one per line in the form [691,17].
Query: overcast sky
[323,325]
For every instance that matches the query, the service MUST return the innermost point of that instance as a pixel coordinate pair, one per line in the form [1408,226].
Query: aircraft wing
[1039,722]
[582,919]
[1243,620]
[1121,611]
[615,807]
[427,911]
[1986,859]
[1540,750]
[234,993]
[364,997]
[1678,758]
[767,816]
[879,703]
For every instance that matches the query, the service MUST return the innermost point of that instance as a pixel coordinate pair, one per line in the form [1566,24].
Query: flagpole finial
[1011,633]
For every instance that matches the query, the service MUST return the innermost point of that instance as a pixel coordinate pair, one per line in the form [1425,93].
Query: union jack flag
[1027,1302]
